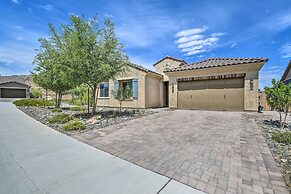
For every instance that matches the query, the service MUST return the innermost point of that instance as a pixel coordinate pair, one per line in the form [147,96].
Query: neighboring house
[14,86]
[286,77]
[211,84]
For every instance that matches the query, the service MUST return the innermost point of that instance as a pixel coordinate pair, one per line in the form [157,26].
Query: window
[132,83]
[104,90]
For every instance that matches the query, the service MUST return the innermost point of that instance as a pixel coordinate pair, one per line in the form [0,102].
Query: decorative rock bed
[280,151]
[103,118]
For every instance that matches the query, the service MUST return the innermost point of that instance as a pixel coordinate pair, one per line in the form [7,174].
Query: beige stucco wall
[153,92]
[251,70]
[144,80]
[160,67]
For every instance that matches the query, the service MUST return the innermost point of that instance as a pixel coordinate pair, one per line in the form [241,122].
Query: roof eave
[288,68]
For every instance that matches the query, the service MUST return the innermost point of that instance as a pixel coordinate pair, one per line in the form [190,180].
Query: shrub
[74,125]
[77,108]
[282,137]
[57,110]
[60,118]
[35,93]
[33,102]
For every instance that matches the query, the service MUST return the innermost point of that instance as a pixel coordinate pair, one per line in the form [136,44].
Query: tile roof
[23,79]
[172,58]
[139,67]
[288,68]
[217,62]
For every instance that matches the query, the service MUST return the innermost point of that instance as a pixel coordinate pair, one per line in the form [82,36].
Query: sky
[150,30]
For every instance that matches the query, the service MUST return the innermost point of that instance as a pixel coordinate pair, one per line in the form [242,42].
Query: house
[286,77]
[15,86]
[212,84]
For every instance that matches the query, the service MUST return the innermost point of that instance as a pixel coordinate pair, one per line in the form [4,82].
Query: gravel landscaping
[280,151]
[104,118]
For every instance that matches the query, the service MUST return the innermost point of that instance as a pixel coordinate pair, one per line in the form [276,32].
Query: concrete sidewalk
[36,159]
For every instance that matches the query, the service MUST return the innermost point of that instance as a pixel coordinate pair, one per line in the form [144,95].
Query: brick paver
[215,152]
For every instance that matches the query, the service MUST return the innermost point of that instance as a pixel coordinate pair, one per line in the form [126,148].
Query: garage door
[13,93]
[221,94]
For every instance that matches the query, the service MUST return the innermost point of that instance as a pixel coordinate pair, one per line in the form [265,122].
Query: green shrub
[74,125]
[60,118]
[282,137]
[33,102]
[77,108]
[57,110]
[35,93]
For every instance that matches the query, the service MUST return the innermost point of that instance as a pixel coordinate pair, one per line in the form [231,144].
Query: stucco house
[14,86]
[212,84]
[286,77]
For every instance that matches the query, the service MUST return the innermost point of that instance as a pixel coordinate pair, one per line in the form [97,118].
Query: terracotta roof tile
[143,69]
[217,62]
[172,58]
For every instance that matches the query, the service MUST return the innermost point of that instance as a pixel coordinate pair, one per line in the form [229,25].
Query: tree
[122,94]
[51,71]
[95,51]
[36,93]
[279,98]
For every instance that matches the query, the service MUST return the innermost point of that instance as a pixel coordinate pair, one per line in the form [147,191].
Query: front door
[166,94]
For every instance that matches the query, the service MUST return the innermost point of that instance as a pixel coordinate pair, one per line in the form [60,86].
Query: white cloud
[233,45]
[189,38]
[16,1]
[192,31]
[47,7]
[19,27]
[286,50]
[217,34]
[194,41]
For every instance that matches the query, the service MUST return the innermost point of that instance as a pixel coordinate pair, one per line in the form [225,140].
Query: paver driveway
[216,152]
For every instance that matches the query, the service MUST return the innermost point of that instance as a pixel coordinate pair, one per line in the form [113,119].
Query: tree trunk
[94,99]
[284,120]
[120,107]
[281,122]
[60,100]
[56,100]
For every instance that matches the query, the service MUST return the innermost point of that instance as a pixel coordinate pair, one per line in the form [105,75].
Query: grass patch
[282,137]
[74,125]
[60,118]
[77,108]
[57,110]
[34,102]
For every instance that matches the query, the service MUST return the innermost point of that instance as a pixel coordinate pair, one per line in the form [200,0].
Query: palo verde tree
[96,53]
[51,71]
[279,98]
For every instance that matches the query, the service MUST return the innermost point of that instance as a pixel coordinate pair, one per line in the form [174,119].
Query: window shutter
[134,88]
[116,83]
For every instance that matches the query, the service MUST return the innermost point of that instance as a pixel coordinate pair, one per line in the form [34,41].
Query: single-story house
[14,86]
[211,84]
[286,77]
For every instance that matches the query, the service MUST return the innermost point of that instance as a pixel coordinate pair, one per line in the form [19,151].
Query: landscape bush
[35,93]
[33,102]
[77,108]
[57,110]
[74,125]
[282,137]
[60,118]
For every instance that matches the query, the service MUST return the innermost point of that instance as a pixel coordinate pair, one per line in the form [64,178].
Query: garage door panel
[221,94]
[216,99]
[13,93]
[234,99]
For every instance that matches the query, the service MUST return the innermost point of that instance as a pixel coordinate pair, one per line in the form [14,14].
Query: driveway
[36,159]
[215,152]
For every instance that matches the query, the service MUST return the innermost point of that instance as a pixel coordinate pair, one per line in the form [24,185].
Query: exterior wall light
[251,84]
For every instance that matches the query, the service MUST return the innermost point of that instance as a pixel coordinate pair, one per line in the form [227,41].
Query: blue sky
[150,30]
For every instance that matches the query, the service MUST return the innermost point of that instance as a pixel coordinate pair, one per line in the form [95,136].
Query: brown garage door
[13,93]
[222,94]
